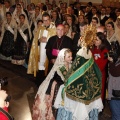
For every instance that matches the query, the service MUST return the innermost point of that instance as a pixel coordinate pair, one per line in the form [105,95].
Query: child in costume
[44,100]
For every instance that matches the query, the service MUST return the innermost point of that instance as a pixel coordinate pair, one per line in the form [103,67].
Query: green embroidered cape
[83,81]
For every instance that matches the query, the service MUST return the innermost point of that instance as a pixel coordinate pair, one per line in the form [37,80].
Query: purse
[55,52]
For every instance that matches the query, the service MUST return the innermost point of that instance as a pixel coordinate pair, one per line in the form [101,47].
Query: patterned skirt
[43,107]
[7,45]
[67,115]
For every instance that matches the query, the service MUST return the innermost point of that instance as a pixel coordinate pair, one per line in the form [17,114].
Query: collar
[47,27]
[60,37]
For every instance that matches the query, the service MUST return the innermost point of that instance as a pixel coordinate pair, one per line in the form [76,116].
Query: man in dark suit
[102,17]
[88,14]
[76,8]
[110,13]
[56,43]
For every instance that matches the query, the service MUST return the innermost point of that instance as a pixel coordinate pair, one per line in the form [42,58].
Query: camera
[114,51]
[8,98]
[3,81]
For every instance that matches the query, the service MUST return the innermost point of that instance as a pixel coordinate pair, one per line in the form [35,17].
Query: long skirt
[7,45]
[20,51]
[74,110]
[43,107]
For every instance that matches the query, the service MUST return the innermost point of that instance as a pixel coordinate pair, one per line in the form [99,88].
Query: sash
[23,35]
[80,71]
[10,29]
[16,19]
[63,71]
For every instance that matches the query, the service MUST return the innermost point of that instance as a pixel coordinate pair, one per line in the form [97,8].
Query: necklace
[59,43]
[110,34]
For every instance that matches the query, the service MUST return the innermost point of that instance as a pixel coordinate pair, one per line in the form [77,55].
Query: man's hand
[53,61]
[43,39]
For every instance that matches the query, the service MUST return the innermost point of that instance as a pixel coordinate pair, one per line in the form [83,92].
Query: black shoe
[40,77]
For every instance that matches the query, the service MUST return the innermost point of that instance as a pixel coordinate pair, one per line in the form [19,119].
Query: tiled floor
[22,89]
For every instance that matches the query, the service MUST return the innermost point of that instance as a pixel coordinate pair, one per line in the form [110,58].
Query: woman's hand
[110,59]
[53,61]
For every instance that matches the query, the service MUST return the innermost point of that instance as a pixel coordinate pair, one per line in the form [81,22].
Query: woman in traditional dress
[80,97]
[39,24]
[22,42]
[112,34]
[44,100]
[2,15]
[117,24]
[17,12]
[95,22]
[8,37]
[69,20]
[36,15]
[55,17]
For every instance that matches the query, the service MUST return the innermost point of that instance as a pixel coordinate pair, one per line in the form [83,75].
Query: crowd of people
[45,38]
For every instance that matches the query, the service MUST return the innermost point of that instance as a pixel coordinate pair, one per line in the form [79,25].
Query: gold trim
[87,102]
[81,74]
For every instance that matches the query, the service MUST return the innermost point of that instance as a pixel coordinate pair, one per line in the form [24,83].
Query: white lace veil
[16,19]
[59,62]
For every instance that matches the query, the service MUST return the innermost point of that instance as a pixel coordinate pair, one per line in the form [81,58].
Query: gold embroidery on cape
[91,81]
